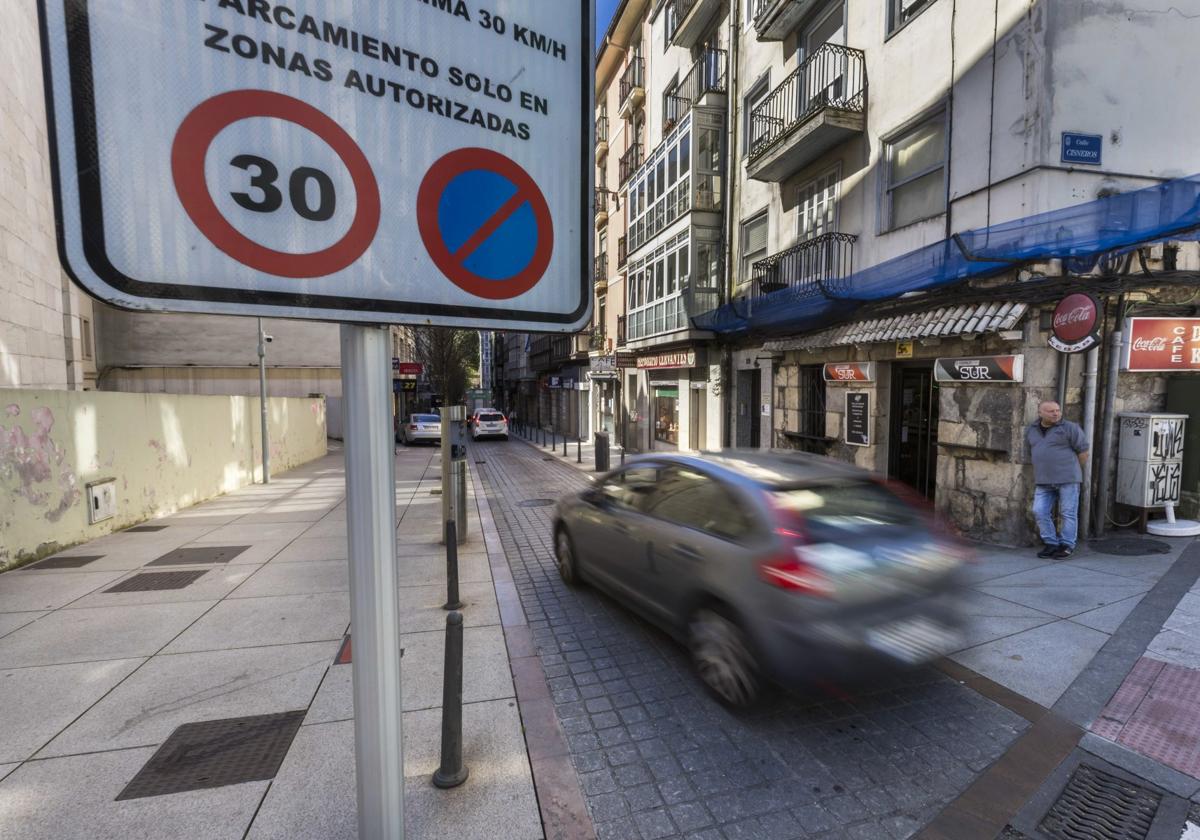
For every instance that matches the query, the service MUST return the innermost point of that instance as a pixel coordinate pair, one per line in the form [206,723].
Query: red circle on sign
[1075,317]
[208,119]
[445,170]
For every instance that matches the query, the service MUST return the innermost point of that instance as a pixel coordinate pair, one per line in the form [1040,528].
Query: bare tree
[449,355]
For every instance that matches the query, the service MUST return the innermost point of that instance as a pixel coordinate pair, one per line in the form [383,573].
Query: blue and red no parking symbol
[485,223]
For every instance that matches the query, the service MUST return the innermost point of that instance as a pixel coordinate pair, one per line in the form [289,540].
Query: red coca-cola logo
[1075,317]
[1150,345]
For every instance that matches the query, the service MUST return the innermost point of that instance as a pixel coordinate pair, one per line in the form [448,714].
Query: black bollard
[452,773]
[452,601]
[565,442]
[622,455]
[579,451]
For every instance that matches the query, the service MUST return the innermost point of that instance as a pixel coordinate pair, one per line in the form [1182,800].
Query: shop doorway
[698,419]
[912,456]
[749,391]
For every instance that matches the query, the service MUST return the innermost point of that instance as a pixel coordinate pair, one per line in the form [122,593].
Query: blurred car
[423,428]
[769,566]
[489,423]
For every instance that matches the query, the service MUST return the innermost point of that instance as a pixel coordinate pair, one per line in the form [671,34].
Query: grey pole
[374,584]
[1064,370]
[1090,369]
[262,402]
[1116,347]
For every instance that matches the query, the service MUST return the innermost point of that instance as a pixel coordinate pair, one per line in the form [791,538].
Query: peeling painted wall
[166,452]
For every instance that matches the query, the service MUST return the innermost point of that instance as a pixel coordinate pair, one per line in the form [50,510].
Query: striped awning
[970,319]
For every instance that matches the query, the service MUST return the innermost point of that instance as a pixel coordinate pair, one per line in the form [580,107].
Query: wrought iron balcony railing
[601,129]
[708,75]
[820,263]
[600,269]
[832,77]
[633,77]
[630,161]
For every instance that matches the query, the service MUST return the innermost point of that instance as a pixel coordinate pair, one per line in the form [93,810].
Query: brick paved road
[656,757]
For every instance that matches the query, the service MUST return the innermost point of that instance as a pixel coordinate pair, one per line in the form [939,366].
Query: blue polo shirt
[1055,452]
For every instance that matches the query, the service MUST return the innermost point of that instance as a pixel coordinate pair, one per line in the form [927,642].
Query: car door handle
[687,552]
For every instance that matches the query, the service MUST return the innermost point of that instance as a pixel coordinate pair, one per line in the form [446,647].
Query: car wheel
[564,557]
[722,658]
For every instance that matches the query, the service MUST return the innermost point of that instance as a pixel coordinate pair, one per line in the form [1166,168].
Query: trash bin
[601,441]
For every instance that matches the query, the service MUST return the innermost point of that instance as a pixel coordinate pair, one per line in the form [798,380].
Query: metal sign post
[374,584]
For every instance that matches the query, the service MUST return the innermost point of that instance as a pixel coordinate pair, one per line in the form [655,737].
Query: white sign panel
[414,161]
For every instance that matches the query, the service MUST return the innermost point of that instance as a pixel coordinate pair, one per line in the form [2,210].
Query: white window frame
[887,187]
[834,172]
[892,11]
[757,94]
[746,263]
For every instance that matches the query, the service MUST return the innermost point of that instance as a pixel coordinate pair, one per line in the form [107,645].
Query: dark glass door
[913,449]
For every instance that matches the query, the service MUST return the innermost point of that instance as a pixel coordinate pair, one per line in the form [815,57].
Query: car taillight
[788,569]
[503,419]
[412,427]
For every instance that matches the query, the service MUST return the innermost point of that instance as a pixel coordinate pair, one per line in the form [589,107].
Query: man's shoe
[1049,551]
[1063,552]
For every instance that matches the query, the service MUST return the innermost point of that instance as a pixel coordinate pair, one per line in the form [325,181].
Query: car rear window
[845,506]
[426,418]
[491,418]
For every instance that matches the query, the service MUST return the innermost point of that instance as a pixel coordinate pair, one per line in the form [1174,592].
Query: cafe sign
[1076,324]
[980,369]
[850,372]
[680,359]
[1162,344]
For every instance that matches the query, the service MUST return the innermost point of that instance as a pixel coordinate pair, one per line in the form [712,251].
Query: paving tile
[276,620]
[98,633]
[74,799]
[1063,590]
[1108,619]
[306,549]
[421,606]
[990,618]
[1038,663]
[214,584]
[48,590]
[14,621]
[255,553]
[169,691]
[302,578]
[38,703]
[994,564]
[1146,569]
[237,533]
[420,569]
[1173,646]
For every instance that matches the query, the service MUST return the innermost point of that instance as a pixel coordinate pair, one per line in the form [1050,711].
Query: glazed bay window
[916,174]
[681,278]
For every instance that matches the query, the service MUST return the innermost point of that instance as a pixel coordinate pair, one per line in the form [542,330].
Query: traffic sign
[369,162]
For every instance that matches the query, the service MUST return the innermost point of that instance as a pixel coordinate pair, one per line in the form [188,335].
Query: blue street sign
[1081,148]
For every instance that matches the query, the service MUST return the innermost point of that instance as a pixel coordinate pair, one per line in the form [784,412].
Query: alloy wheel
[723,659]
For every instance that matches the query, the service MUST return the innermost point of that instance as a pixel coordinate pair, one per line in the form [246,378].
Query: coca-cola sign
[1162,344]
[1076,323]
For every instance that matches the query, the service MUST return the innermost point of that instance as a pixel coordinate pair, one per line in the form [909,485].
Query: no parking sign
[374,161]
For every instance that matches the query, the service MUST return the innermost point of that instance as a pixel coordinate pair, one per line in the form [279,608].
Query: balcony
[600,272]
[601,137]
[821,104]
[620,330]
[707,76]
[691,21]
[630,161]
[601,196]
[774,20]
[633,86]
[820,263]
[597,339]
[622,252]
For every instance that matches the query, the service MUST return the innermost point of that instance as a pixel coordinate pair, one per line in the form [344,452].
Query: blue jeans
[1067,497]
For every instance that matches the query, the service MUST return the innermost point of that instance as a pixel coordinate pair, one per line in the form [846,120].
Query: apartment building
[868,134]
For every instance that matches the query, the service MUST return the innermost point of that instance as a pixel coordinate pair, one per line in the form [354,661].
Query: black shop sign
[858,418]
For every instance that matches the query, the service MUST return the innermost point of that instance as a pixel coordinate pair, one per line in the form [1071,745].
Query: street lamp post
[263,338]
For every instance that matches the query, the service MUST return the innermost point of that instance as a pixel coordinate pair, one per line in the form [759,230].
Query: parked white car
[423,428]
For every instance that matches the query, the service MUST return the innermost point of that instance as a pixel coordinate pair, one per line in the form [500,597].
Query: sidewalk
[93,681]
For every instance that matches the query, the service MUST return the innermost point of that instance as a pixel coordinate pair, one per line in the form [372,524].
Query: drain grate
[1130,546]
[66,562]
[536,503]
[216,753]
[1098,806]
[145,529]
[549,458]
[199,554]
[156,581]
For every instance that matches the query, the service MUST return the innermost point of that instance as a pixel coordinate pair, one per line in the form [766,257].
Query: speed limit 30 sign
[374,161]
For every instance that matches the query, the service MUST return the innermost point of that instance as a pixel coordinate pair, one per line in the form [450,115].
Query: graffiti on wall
[34,466]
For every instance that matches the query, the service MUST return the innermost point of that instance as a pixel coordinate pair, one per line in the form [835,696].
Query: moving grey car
[423,428]
[769,566]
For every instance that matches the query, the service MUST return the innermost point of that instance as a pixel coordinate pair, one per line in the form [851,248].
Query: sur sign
[980,369]
[418,162]
[849,372]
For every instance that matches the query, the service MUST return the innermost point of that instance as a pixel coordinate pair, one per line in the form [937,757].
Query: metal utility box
[1150,459]
[102,500]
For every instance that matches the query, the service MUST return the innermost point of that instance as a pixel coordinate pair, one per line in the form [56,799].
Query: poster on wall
[1162,344]
[1002,369]
[858,418]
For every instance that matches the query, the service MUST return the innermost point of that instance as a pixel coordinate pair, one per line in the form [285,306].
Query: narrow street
[657,758]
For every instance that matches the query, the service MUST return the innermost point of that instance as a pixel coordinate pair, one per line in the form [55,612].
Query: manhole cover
[66,562]
[481,462]
[145,529]
[1130,546]
[217,753]
[199,554]
[1097,806]
[157,581]
[536,503]
[549,458]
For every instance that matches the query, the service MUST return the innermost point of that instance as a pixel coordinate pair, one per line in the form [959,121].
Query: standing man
[1058,449]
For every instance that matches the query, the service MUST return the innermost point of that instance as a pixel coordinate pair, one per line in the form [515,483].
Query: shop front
[672,404]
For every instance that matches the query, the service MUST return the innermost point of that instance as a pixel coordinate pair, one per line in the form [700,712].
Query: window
[817,207]
[900,12]
[85,336]
[670,105]
[693,500]
[753,131]
[811,400]
[754,243]
[916,173]
[630,488]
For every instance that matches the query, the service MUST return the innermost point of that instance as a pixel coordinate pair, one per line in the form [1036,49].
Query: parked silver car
[423,428]
[769,566]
